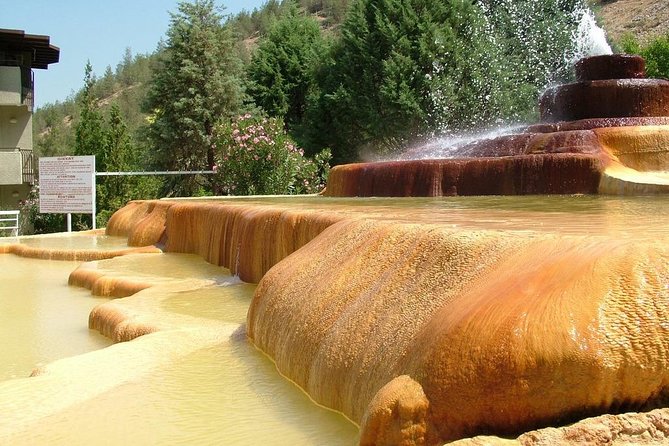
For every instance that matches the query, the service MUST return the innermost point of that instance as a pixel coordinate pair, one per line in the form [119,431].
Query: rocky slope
[644,19]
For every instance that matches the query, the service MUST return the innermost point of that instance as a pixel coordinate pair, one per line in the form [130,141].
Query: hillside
[643,19]
[126,85]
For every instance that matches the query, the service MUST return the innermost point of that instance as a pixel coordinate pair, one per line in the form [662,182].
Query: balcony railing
[28,166]
[27,88]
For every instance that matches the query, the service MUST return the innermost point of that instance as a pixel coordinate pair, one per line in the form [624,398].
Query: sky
[99,31]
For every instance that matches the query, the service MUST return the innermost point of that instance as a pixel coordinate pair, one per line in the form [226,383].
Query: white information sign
[67,184]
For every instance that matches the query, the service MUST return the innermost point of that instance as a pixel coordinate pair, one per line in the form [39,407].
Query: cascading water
[455,146]
[544,59]
[589,38]
[176,386]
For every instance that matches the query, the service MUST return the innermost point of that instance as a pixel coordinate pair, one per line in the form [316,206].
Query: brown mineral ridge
[421,333]
[246,239]
[83,255]
[626,429]
[609,98]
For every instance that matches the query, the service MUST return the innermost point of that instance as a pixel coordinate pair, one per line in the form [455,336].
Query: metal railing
[27,87]
[156,172]
[28,166]
[9,221]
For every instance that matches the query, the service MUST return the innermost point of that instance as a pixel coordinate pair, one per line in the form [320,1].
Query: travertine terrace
[422,333]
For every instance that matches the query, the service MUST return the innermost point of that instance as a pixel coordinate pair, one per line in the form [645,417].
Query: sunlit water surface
[229,394]
[224,392]
[41,318]
[636,217]
[64,241]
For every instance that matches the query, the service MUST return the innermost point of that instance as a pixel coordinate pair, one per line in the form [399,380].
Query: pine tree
[117,153]
[197,83]
[376,88]
[281,73]
[112,191]
[89,133]
[406,69]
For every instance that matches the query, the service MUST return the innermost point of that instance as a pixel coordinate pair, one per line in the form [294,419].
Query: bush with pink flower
[255,156]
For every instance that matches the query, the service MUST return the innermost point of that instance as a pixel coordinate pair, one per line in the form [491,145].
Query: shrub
[255,156]
[33,222]
[656,53]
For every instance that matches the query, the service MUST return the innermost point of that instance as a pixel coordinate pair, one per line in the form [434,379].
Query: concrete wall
[10,86]
[10,196]
[16,134]
[11,168]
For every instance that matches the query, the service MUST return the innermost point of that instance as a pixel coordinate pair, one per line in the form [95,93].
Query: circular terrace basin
[608,133]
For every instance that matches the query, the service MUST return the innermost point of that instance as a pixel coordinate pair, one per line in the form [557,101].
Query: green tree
[376,87]
[116,157]
[530,44]
[111,191]
[123,69]
[105,85]
[266,16]
[312,6]
[407,69]
[89,133]
[656,53]
[197,83]
[119,155]
[52,137]
[281,73]
[335,10]
[114,151]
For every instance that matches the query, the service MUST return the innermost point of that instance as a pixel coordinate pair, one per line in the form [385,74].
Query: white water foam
[588,40]
[455,146]
[589,37]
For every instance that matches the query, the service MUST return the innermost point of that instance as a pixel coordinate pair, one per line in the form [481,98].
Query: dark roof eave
[43,52]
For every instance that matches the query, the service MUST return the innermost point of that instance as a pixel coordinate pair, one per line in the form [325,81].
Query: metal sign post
[67,184]
[93,195]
